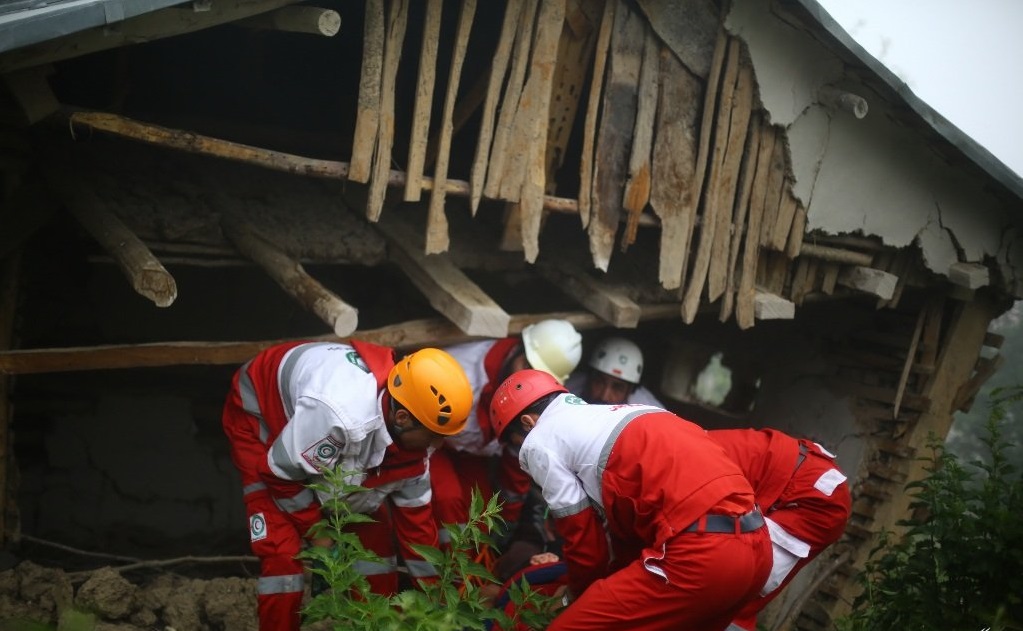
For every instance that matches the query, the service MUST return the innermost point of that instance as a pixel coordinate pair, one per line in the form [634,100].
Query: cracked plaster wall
[872,176]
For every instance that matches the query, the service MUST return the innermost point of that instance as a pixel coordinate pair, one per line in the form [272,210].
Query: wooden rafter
[609,302]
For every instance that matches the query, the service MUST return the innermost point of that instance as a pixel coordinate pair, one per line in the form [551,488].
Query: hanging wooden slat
[367,119]
[776,184]
[397,20]
[614,136]
[510,102]
[289,274]
[533,129]
[736,108]
[674,162]
[498,70]
[637,186]
[783,222]
[745,298]
[797,232]
[421,109]
[600,58]
[437,223]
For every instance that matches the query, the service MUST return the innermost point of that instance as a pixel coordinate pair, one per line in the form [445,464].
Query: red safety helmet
[517,393]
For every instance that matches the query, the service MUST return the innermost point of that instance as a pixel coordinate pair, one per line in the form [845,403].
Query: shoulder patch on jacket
[324,453]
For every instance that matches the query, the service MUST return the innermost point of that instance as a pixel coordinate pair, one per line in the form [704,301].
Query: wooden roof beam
[445,286]
[606,301]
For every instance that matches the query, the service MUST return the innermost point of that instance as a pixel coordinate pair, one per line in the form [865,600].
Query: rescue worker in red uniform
[553,346]
[804,496]
[688,546]
[298,408]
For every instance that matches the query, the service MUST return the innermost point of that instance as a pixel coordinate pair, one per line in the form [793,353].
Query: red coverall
[464,462]
[281,511]
[805,499]
[661,483]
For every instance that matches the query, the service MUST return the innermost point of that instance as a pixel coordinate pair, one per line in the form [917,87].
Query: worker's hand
[544,557]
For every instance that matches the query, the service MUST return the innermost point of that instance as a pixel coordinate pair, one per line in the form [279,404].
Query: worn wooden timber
[421,109]
[797,232]
[289,274]
[673,187]
[397,21]
[445,286]
[143,28]
[767,306]
[747,169]
[786,215]
[367,118]
[304,19]
[969,275]
[836,255]
[777,185]
[907,366]
[592,119]
[611,303]
[745,299]
[869,280]
[437,239]
[405,336]
[637,185]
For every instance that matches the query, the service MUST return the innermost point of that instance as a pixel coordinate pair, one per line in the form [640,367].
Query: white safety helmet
[553,346]
[618,357]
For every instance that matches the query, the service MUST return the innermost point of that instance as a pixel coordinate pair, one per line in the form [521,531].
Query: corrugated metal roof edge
[32,26]
[969,147]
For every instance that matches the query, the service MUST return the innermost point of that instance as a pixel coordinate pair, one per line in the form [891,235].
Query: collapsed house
[730,183]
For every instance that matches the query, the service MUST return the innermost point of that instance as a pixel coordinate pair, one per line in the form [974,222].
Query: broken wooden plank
[611,303]
[437,223]
[637,184]
[745,298]
[397,20]
[420,134]
[734,112]
[446,287]
[498,69]
[674,161]
[747,169]
[404,336]
[907,366]
[869,280]
[698,275]
[769,306]
[292,19]
[590,123]
[289,274]
[969,275]
[510,102]
[367,118]
[614,136]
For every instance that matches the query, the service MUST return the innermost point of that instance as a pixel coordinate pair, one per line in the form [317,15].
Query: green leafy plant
[959,564]
[452,602]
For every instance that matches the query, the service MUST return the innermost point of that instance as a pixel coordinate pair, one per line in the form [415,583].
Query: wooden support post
[341,317]
[445,286]
[610,303]
[303,19]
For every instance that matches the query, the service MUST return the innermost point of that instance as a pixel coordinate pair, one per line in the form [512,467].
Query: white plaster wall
[873,176]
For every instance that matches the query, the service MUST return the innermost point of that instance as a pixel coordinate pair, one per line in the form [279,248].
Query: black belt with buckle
[726,524]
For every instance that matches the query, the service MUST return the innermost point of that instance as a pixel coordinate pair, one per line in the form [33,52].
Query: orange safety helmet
[518,392]
[432,386]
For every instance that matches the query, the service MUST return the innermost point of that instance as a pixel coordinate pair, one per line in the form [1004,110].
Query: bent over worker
[299,408]
[804,496]
[688,542]
[553,346]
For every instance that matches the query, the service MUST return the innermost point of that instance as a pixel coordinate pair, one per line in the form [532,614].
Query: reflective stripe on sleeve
[373,568]
[284,374]
[252,488]
[282,464]
[287,584]
[304,499]
[413,493]
[574,509]
[420,569]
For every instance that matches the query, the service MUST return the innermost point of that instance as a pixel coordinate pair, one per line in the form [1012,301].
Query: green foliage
[453,602]
[960,564]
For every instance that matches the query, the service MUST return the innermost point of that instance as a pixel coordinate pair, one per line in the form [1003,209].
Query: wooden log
[747,170]
[510,103]
[637,185]
[773,307]
[869,280]
[139,29]
[532,123]
[736,107]
[839,100]
[144,272]
[697,278]
[420,134]
[404,336]
[614,136]
[498,70]
[397,20]
[609,302]
[303,19]
[446,287]
[908,364]
[745,299]
[289,274]
[836,255]
[591,121]
[437,239]
[367,119]
[266,158]
[674,162]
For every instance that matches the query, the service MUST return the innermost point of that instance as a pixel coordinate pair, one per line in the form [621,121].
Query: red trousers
[709,577]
